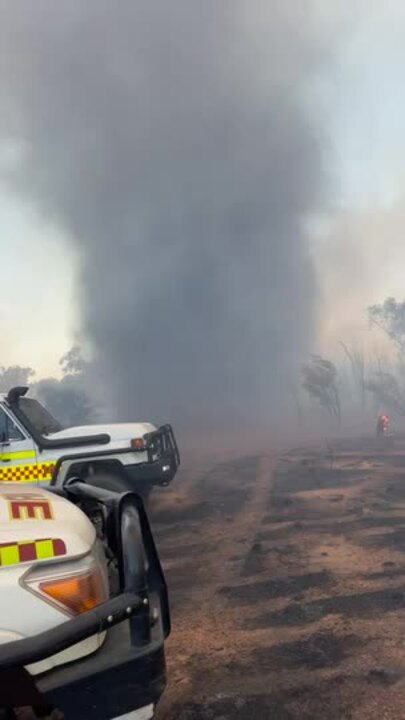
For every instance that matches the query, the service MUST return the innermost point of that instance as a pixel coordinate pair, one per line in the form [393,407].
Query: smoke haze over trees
[15,375]
[390,317]
[176,144]
[67,398]
[320,382]
[387,382]
[181,149]
[353,386]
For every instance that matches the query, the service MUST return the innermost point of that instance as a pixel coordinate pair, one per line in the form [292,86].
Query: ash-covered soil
[287,583]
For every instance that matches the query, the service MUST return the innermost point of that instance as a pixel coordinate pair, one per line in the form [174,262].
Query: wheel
[144,492]
[118,483]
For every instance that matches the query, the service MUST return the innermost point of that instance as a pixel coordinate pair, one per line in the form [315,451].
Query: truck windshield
[39,417]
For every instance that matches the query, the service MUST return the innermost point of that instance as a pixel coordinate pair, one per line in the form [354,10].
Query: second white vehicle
[35,448]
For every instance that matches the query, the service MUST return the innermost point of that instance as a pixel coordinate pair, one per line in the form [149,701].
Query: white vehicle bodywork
[22,450]
[96,650]
[121,435]
[23,612]
[35,449]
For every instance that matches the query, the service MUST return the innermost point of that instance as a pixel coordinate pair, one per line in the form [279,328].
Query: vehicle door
[18,453]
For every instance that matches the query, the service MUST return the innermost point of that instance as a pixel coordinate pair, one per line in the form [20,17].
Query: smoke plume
[174,144]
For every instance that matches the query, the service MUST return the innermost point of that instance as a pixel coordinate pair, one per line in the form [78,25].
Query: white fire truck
[34,448]
[83,604]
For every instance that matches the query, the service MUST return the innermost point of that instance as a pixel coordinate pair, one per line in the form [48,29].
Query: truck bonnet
[36,525]
[117,431]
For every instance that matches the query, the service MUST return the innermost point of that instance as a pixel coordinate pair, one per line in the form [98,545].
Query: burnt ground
[287,583]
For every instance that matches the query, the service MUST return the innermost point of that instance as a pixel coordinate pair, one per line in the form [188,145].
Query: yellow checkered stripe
[30,550]
[27,473]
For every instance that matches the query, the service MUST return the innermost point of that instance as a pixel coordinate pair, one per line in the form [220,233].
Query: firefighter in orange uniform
[383,422]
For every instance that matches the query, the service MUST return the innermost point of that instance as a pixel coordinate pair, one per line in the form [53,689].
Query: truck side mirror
[3,437]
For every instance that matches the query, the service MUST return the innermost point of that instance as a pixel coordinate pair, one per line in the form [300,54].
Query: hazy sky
[360,251]
[37,312]
[363,251]
[368,107]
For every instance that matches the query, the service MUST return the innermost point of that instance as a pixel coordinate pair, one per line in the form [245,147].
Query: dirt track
[287,583]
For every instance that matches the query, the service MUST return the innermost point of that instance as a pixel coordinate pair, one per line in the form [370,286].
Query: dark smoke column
[169,139]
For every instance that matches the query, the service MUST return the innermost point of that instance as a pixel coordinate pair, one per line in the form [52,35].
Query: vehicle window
[42,420]
[8,429]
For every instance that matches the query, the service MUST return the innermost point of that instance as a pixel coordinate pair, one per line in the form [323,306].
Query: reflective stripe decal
[30,550]
[20,455]
[9,555]
[44,549]
[27,473]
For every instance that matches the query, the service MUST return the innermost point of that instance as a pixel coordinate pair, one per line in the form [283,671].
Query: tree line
[383,379]
[66,398]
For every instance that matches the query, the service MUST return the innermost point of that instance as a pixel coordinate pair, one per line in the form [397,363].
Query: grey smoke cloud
[173,142]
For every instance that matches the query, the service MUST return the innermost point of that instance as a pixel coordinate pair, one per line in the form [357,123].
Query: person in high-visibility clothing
[383,422]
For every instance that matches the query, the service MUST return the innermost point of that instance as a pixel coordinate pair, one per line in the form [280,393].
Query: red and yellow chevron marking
[29,550]
[27,473]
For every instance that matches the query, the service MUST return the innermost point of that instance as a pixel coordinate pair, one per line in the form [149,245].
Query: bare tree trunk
[297,402]
[357,364]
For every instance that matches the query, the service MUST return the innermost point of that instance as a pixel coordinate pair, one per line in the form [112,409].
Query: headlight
[73,587]
[138,444]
